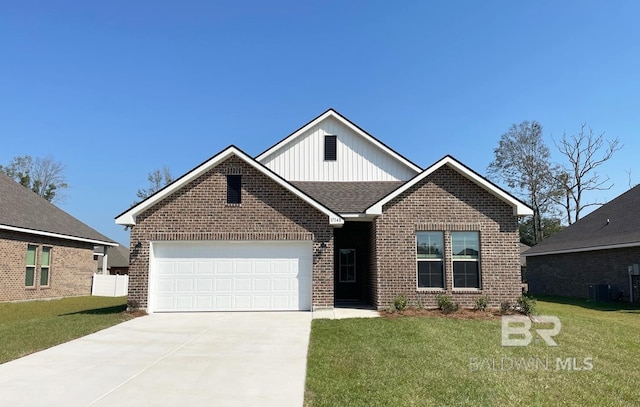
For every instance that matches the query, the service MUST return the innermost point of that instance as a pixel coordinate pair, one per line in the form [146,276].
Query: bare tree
[522,161]
[584,153]
[158,179]
[44,176]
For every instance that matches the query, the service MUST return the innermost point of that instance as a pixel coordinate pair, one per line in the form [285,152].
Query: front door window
[347,266]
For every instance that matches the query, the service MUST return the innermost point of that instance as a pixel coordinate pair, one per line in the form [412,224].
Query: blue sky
[116,89]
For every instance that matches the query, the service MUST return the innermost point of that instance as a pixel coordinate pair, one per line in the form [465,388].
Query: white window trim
[441,260]
[476,260]
[34,266]
[46,267]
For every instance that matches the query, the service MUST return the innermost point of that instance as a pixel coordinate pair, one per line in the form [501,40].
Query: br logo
[516,330]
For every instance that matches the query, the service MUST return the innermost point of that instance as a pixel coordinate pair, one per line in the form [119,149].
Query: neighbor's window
[30,276]
[465,247]
[330,148]
[429,252]
[234,189]
[45,266]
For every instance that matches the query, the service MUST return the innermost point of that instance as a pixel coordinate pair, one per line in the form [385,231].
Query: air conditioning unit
[634,270]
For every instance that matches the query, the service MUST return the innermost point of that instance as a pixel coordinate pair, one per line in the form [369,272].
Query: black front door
[352,261]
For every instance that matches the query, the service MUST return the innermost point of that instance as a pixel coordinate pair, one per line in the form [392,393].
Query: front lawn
[27,327]
[444,361]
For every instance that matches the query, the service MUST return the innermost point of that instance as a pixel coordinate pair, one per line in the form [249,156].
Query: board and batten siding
[302,159]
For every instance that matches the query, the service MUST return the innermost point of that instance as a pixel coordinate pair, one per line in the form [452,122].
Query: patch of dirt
[460,314]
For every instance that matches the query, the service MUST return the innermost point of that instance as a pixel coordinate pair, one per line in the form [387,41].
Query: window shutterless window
[330,148]
[234,189]
[30,276]
[465,247]
[45,266]
[347,266]
[429,253]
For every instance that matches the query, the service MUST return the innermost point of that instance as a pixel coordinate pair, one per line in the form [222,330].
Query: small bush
[133,305]
[526,305]
[400,303]
[505,307]
[446,304]
[482,303]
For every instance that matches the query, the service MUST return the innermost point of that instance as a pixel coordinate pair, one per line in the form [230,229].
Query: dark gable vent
[234,189]
[330,145]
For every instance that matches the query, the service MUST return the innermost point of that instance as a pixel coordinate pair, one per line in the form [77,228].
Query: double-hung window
[465,248]
[429,253]
[30,276]
[45,266]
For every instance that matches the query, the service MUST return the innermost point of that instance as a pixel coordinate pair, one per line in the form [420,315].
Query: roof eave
[519,208]
[347,123]
[583,249]
[128,218]
[57,235]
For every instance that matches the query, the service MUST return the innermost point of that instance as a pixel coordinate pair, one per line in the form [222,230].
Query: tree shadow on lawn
[116,309]
[633,308]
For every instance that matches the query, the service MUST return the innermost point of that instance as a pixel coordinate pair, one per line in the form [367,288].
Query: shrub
[482,303]
[505,307]
[526,305]
[133,305]
[446,304]
[400,303]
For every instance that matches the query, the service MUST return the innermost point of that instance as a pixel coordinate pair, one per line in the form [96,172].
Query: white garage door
[230,276]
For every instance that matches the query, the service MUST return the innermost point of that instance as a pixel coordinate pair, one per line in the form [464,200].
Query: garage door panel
[224,285]
[243,267]
[227,276]
[185,268]
[242,284]
[204,284]
[224,267]
[205,268]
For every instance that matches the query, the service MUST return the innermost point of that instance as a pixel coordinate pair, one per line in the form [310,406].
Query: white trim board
[128,218]
[332,113]
[56,235]
[519,208]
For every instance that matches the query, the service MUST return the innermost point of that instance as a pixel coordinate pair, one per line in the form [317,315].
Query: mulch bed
[459,314]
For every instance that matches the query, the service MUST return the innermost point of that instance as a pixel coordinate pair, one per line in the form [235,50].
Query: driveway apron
[187,359]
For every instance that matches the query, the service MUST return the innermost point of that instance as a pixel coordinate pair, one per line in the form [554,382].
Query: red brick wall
[199,211]
[71,269]
[446,201]
[570,274]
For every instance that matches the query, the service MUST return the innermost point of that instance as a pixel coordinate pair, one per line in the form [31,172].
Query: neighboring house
[326,216]
[595,254]
[44,251]
[117,259]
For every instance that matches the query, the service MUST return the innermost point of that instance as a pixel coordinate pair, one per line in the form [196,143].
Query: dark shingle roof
[615,223]
[21,208]
[347,197]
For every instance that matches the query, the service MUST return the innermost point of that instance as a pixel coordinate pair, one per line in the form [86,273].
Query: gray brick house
[327,216]
[597,253]
[44,251]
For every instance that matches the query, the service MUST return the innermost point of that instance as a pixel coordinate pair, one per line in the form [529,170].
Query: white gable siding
[358,159]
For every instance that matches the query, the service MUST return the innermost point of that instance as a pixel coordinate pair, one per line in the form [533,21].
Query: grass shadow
[100,311]
[594,305]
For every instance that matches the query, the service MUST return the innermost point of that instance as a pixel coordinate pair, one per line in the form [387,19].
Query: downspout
[104,260]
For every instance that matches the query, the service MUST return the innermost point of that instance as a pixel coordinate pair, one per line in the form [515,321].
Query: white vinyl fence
[110,286]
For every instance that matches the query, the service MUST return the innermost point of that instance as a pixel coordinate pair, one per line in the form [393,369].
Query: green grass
[429,361]
[28,327]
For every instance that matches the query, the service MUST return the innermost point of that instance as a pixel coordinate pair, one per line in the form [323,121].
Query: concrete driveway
[190,359]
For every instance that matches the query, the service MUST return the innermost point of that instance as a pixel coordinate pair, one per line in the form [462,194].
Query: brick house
[44,251]
[597,257]
[327,216]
